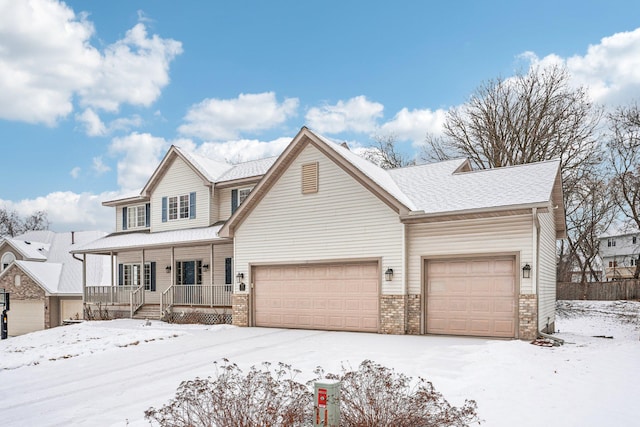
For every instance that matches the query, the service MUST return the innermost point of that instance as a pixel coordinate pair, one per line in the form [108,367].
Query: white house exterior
[620,253]
[320,238]
[316,236]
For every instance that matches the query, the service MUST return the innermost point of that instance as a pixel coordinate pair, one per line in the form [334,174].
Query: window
[243,193]
[179,207]
[136,216]
[633,262]
[613,263]
[132,275]
[310,178]
[189,272]
[611,242]
[634,240]
[7,259]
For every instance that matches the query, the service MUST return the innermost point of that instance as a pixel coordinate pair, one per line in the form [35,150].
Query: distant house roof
[120,241]
[54,268]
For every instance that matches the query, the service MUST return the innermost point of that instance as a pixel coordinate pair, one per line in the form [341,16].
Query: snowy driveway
[108,373]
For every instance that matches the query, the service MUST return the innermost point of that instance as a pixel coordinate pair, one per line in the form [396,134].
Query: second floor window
[137,216]
[634,240]
[611,242]
[633,262]
[179,207]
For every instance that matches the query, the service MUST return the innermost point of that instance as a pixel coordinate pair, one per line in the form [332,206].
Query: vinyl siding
[342,221]
[162,258]
[546,269]
[511,234]
[180,179]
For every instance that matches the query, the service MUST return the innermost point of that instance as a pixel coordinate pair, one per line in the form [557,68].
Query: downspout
[405,278]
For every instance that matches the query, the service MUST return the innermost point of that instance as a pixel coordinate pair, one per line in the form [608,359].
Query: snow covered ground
[108,373]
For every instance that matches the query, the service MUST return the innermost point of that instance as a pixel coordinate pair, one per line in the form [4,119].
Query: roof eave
[116,249]
[415,217]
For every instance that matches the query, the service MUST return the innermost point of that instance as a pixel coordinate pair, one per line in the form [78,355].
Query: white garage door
[472,297]
[337,297]
[25,316]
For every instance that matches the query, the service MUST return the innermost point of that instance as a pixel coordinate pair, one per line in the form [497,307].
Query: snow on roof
[248,169]
[377,174]
[30,250]
[117,242]
[209,168]
[437,188]
[68,279]
[46,274]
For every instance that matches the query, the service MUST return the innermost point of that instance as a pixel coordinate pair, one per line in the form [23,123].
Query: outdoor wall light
[388,275]
[168,269]
[205,267]
[239,277]
[526,271]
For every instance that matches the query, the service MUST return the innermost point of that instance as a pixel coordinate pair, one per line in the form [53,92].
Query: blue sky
[92,94]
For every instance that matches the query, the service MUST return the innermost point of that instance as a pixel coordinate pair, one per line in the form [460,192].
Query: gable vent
[310,178]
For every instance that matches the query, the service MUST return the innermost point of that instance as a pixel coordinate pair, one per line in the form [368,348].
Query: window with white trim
[633,262]
[7,259]
[136,216]
[243,193]
[132,275]
[179,207]
[611,242]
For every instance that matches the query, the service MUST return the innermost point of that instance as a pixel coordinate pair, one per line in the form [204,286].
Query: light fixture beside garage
[388,275]
[239,279]
[526,271]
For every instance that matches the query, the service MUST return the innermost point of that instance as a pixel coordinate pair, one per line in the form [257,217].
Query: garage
[472,296]
[25,316]
[336,297]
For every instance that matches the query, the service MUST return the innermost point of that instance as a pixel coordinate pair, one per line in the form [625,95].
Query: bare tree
[533,117]
[624,149]
[385,154]
[11,224]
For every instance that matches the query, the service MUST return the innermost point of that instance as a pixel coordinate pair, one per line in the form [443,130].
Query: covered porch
[178,276]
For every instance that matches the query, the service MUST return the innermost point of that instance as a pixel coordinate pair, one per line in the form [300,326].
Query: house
[170,262]
[327,240]
[320,238]
[620,253]
[43,279]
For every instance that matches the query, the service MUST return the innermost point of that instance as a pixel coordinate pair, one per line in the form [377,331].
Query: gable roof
[432,190]
[57,271]
[27,249]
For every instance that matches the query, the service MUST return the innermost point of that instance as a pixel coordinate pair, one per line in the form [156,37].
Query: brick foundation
[240,313]
[414,314]
[392,312]
[528,317]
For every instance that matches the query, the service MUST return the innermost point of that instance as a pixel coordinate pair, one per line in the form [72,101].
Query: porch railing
[109,294]
[197,295]
[137,299]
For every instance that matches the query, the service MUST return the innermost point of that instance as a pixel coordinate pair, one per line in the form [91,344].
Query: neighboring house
[620,253]
[327,240]
[169,259]
[43,279]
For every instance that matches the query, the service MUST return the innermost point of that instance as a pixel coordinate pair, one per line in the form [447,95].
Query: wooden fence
[604,291]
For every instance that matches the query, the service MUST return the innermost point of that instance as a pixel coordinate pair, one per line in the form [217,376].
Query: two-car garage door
[472,296]
[338,297]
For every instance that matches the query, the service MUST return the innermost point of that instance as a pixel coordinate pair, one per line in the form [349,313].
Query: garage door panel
[25,316]
[334,296]
[472,296]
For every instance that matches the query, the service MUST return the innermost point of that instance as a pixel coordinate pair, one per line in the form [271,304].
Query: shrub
[263,397]
[375,396]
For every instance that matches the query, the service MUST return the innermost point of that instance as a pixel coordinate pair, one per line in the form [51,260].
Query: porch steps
[148,311]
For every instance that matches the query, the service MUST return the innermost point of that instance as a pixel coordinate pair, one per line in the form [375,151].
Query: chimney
[345,145]
[73,237]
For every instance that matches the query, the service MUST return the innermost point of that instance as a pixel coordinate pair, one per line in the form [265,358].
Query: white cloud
[414,125]
[140,154]
[356,114]
[99,166]
[91,123]
[75,172]
[222,119]
[46,59]
[241,150]
[68,211]
[610,69]
[134,70]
